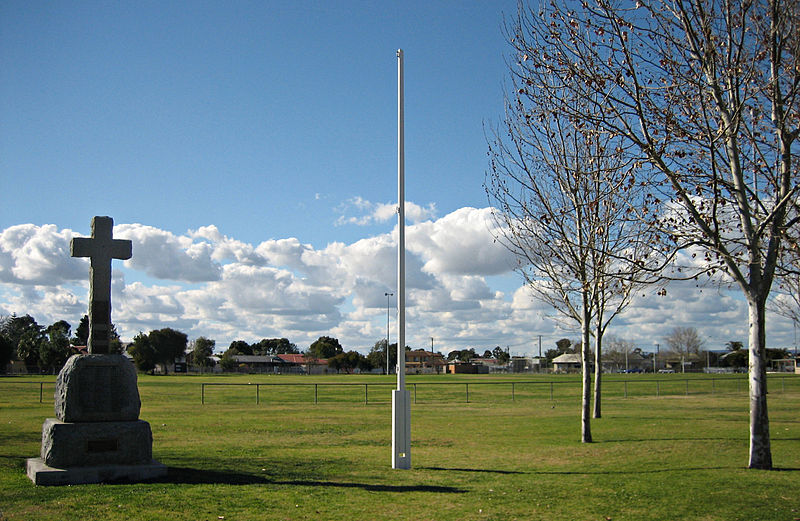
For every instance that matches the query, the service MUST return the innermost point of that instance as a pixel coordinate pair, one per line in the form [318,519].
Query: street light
[655,355]
[387,295]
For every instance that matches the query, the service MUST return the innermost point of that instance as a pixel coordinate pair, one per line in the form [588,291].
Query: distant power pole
[540,346]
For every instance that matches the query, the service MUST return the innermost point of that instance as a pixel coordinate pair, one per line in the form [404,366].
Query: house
[458,367]
[300,364]
[567,363]
[691,363]
[785,365]
[421,361]
[16,367]
[527,364]
[258,363]
[492,365]
[616,362]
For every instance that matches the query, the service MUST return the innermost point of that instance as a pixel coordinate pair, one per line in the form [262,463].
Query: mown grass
[672,456]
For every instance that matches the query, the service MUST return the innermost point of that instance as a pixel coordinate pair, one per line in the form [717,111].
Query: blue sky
[259,117]
[249,151]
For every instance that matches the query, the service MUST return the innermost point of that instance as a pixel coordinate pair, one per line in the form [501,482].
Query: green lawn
[671,456]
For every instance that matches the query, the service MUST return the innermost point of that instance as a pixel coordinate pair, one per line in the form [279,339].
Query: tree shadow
[192,476]
[694,438]
[604,472]
[488,471]
[628,472]
[653,471]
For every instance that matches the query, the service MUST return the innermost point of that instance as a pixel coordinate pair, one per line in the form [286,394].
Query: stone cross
[100,248]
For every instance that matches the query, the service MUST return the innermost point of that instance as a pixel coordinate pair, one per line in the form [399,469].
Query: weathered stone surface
[101,247]
[97,388]
[97,435]
[96,443]
[42,474]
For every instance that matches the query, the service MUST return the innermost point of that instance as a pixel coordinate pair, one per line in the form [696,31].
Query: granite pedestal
[97,435]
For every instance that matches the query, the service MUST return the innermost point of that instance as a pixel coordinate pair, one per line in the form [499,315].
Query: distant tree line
[45,348]
[465,355]
[681,342]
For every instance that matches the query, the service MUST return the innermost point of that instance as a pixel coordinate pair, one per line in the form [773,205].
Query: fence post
[202,394]
[713,388]
[551,391]
[366,396]
[658,388]
[315,394]
[258,398]
[415,393]
[513,398]
[41,386]
[687,387]
[467,393]
[626,388]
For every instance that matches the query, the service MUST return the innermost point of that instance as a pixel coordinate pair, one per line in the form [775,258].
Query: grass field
[670,456]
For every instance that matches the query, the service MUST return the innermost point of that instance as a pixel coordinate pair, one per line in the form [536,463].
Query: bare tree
[686,343]
[704,95]
[618,349]
[684,340]
[560,194]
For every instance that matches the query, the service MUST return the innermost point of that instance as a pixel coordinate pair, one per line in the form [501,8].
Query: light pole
[433,363]
[387,295]
[626,359]
[655,355]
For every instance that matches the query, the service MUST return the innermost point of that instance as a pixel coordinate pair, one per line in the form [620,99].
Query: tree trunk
[760,452]
[586,372]
[598,371]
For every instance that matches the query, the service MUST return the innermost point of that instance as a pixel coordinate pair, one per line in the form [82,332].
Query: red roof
[300,359]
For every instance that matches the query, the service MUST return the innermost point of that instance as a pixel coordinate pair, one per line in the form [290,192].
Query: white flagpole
[401,406]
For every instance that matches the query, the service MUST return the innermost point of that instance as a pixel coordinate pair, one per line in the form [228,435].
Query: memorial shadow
[193,476]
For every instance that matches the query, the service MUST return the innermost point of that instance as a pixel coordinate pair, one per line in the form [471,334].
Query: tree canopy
[325,347]
[202,349]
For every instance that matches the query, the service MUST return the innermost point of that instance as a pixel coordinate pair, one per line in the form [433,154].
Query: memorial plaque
[99,390]
[94,446]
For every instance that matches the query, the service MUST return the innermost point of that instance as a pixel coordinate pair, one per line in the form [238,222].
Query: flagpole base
[401,429]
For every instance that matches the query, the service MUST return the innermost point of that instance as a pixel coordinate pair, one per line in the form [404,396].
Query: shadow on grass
[694,438]
[603,472]
[183,475]
[488,471]
[651,471]
[627,472]
[589,472]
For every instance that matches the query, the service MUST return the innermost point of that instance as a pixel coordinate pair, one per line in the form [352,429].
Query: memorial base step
[42,474]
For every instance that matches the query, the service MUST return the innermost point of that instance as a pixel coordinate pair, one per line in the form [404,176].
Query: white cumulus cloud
[460,288]
[460,243]
[31,254]
[166,256]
